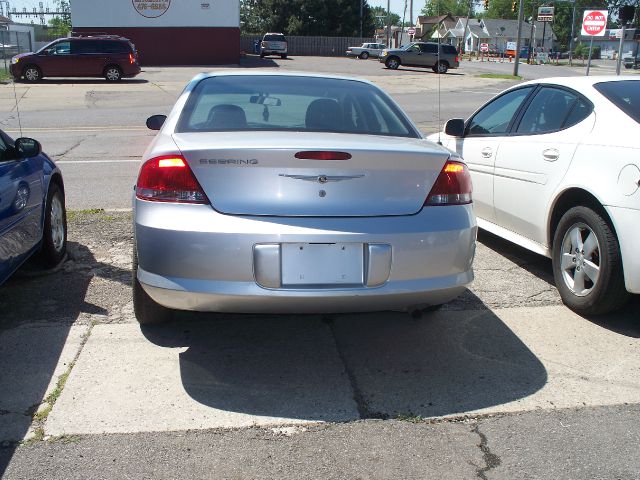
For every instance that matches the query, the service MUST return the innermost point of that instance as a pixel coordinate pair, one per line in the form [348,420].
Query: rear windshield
[274,38]
[449,49]
[624,94]
[283,103]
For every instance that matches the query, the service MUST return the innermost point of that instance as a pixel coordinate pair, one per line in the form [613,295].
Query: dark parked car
[111,57]
[422,54]
[33,219]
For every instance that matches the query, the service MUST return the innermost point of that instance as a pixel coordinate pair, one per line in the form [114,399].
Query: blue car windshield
[292,103]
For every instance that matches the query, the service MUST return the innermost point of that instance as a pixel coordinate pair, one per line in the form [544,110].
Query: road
[502,383]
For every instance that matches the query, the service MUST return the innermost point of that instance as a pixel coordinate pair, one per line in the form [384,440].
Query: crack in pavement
[491,460]
[73,147]
[358,396]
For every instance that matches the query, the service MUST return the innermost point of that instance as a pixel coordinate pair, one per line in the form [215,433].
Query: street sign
[594,23]
[411,31]
[511,45]
[484,47]
[545,14]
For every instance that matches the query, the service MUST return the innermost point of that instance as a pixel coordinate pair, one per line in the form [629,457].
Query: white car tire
[587,266]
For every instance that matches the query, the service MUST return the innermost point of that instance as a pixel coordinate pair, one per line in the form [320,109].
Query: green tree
[330,18]
[380,15]
[457,8]
[61,26]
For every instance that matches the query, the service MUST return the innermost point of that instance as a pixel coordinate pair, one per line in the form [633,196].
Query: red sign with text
[594,23]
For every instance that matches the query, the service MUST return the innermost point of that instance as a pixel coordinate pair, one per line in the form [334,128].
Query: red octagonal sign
[594,23]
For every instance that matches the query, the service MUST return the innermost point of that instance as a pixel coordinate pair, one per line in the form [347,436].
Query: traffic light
[486,4]
[514,6]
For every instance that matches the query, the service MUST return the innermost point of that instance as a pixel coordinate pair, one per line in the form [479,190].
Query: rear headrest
[323,114]
[226,116]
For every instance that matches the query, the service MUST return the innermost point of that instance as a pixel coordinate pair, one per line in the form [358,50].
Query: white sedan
[555,165]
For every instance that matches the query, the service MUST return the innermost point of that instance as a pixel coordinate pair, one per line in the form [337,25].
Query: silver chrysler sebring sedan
[294,193]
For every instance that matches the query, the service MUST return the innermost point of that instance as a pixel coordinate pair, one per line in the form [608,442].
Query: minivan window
[60,48]
[275,38]
[624,94]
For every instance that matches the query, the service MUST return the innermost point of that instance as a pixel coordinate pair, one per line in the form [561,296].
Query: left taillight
[132,59]
[169,179]
[452,187]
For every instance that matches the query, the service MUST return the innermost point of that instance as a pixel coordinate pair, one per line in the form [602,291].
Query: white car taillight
[169,179]
[452,187]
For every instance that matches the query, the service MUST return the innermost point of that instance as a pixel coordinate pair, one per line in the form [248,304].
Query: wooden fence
[316,46]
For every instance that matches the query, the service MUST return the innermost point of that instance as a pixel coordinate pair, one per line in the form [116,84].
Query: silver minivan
[273,44]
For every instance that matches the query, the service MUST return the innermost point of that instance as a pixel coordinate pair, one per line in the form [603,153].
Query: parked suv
[422,54]
[111,57]
[273,44]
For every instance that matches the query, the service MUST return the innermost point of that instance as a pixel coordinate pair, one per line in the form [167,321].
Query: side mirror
[454,127]
[155,122]
[27,147]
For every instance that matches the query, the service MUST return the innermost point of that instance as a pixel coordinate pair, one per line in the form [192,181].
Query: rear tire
[112,73]
[262,55]
[284,55]
[392,62]
[54,235]
[364,55]
[587,267]
[32,74]
[442,67]
[146,310]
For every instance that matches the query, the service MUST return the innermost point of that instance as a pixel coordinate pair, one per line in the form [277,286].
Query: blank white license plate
[322,264]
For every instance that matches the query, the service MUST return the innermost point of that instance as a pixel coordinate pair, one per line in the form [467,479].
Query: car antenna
[15,96]
[438,72]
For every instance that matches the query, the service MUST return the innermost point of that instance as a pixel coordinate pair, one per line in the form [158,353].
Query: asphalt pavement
[502,383]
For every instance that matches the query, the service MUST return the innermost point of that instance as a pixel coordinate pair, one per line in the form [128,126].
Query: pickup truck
[366,50]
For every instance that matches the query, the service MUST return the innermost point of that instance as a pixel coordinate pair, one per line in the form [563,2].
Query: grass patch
[502,76]
[5,76]
[403,417]
[74,214]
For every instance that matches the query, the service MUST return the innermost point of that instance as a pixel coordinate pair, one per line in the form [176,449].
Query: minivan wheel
[284,55]
[392,63]
[113,74]
[587,267]
[442,67]
[32,74]
[146,310]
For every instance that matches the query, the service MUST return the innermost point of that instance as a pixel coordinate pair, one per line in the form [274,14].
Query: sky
[397,6]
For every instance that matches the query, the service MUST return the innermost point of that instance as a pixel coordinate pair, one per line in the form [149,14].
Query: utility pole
[518,41]
[361,8]
[573,26]
[388,23]
[411,12]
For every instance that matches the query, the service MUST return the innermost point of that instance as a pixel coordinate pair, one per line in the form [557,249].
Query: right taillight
[169,179]
[452,187]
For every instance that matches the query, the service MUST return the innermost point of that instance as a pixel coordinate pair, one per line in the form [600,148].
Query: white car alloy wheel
[586,263]
[580,260]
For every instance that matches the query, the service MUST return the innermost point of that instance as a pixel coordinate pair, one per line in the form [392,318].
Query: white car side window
[496,116]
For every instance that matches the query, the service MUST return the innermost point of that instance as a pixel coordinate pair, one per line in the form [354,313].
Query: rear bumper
[626,221]
[131,71]
[193,258]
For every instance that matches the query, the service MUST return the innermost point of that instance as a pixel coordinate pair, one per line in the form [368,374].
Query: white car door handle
[487,152]
[551,154]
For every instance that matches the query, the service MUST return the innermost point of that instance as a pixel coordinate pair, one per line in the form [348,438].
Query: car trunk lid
[258,173]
